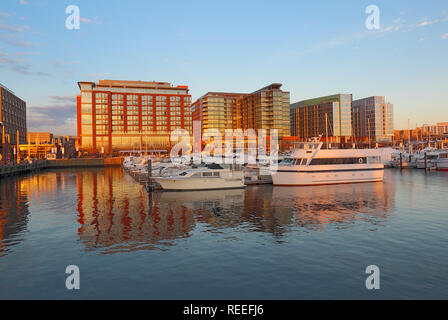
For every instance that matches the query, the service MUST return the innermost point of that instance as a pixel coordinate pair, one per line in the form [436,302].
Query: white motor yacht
[315,166]
[442,161]
[431,157]
[202,178]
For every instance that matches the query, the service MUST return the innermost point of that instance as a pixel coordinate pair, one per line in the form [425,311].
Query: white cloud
[444,36]
[23,2]
[14,28]
[425,22]
[95,20]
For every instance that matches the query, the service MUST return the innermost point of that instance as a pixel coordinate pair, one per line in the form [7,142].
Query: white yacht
[407,160]
[315,166]
[128,162]
[442,161]
[431,157]
[203,178]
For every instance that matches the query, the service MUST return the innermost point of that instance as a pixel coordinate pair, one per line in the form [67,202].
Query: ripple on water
[262,242]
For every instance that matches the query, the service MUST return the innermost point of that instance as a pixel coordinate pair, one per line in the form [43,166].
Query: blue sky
[314,48]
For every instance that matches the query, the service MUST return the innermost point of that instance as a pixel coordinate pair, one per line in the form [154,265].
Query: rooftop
[133,84]
[6,88]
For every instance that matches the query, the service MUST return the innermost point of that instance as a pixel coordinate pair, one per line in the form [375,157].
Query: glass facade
[330,115]
[267,108]
[215,110]
[373,119]
[12,116]
[126,115]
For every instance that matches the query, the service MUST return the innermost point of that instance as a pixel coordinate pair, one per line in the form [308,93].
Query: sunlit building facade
[40,137]
[214,110]
[373,119]
[118,115]
[267,108]
[12,117]
[327,116]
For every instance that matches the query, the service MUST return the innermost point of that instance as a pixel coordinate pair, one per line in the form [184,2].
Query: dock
[143,179]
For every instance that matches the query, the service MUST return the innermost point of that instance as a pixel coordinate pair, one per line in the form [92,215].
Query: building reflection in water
[339,205]
[13,212]
[116,214]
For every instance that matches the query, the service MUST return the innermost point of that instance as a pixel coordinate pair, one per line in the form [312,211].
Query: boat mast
[368,129]
[409,135]
[326,129]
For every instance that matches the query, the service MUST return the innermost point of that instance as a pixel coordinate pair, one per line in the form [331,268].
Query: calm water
[264,242]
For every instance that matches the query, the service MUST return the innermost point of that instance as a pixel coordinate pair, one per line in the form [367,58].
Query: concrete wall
[84,162]
[6,170]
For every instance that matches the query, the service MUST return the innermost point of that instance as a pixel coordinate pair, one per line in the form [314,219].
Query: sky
[314,48]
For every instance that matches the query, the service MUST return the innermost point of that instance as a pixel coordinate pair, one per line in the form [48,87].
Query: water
[263,242]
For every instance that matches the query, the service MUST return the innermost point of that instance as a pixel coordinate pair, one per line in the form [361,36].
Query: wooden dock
[144,180]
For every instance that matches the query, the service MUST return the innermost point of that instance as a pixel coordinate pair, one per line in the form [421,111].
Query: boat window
[287,162]
[207,174]
[332,161]
[374,160]
[183,173]
[216,174]
[443,155]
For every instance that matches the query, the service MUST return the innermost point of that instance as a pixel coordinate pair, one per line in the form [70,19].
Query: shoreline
[18,169]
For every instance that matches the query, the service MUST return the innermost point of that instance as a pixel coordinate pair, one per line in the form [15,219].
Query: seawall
[13,169]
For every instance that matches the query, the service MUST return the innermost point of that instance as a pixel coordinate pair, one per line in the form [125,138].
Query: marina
[308,164]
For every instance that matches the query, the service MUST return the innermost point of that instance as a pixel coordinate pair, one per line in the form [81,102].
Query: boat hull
[442,164]
[200,184]
[303,178]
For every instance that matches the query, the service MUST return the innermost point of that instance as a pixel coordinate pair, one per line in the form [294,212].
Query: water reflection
[340,205]
[13,212]
[116,214]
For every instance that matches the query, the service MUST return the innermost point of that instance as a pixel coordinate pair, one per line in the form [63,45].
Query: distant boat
[407,160]
[431,157]
[442,161]
[209,177]
[315,166]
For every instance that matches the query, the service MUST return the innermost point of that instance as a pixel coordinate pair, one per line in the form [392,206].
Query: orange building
[115,115]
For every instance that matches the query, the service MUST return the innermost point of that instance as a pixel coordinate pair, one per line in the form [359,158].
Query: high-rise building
[124,115]
[327,116]
[12,117]
[373,119]
[214,110]
[267,108]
